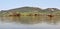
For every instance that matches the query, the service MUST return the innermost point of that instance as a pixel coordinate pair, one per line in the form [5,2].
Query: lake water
[30,22]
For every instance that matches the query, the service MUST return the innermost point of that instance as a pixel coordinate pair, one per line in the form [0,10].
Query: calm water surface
[30,22]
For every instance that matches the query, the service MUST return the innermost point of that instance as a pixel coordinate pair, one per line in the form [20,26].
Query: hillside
[26,9]
[29,10]
[51,9]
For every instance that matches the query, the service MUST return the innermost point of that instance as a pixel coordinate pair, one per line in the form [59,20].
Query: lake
[30,22]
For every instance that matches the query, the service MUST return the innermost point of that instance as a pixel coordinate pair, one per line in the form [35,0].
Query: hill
[29,10]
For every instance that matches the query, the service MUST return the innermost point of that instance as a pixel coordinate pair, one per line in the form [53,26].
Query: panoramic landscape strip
[30,11]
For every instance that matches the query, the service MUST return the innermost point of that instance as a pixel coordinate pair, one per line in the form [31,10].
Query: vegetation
[30,11]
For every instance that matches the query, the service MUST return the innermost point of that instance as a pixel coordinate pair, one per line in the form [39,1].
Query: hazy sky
[9,4]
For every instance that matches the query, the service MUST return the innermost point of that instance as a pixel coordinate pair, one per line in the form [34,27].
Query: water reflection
[32,19]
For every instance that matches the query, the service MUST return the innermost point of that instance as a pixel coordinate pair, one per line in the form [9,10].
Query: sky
[10,4]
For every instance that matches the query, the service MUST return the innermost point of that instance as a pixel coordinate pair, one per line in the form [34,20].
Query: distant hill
[26,9]
[30,9]
[51,9]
